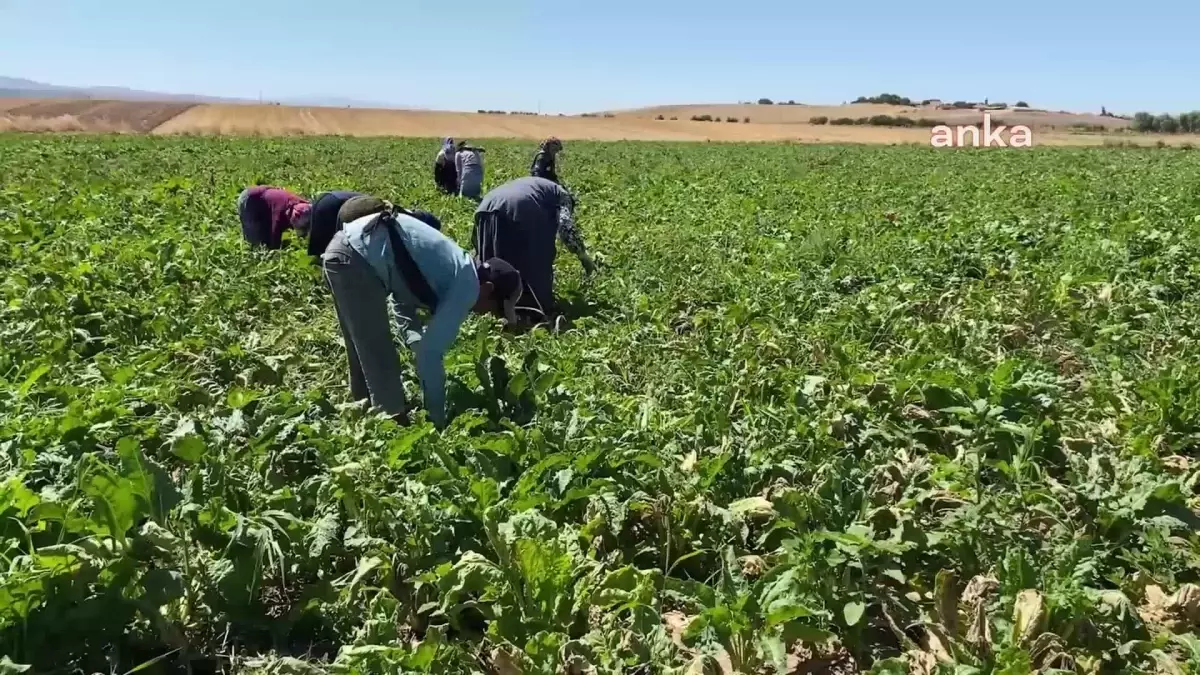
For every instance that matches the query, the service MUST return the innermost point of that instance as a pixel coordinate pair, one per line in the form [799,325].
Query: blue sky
[576,55]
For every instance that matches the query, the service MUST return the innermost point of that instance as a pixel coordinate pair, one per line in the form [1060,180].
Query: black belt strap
[413,278]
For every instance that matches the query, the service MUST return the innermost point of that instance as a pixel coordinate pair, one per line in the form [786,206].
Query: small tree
[821,119]
[746,120]
[765,101]
[1167,124]
[660,117]
[1022,104]
[1144,121]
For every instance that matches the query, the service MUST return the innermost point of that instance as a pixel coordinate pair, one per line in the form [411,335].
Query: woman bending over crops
[545,162]
[519,222]
[445,174]
[266,211]
[468,162]
[325,221]
[382,251]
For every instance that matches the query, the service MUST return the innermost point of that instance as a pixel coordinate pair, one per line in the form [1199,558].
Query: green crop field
[824,409]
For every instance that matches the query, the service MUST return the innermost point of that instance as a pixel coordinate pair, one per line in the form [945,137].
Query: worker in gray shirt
[468,161]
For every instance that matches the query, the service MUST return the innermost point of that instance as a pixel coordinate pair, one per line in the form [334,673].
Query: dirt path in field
[767,123]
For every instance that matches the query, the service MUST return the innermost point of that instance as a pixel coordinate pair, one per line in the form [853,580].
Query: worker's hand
[589,266]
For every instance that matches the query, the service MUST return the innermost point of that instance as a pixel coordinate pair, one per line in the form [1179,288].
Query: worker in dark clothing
[545,162]
[519,222]
[326,221]
[445,174]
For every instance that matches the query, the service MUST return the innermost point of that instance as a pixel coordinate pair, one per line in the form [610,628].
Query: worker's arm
[431,347]
[569,235]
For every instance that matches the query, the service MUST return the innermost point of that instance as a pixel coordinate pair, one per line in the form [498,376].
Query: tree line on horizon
[1184,123]
[896,99]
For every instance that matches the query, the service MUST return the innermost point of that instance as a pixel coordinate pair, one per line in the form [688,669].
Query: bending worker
[384,251]
[545,162]
[519,222]
[324,219]
[468,162]
[266,211]
[445,174]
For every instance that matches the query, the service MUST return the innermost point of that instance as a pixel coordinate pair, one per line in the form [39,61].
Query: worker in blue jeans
[383,251]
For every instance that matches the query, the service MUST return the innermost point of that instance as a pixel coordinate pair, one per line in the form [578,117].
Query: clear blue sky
[581,55]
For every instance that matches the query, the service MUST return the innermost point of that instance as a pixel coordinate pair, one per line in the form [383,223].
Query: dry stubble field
[767,123]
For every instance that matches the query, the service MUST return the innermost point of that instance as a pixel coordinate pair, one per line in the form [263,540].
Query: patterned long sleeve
[569,235]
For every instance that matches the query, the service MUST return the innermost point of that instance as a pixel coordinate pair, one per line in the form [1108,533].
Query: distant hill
[19,87]
[340,102]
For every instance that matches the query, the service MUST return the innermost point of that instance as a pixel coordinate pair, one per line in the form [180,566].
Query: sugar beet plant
[825,409]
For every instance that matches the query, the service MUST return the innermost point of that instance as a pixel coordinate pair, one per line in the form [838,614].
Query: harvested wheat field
[102,116]
[766,122]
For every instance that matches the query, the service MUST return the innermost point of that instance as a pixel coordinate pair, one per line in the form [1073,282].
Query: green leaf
[190,448]
[752,506]
[892,666]
[775,650]
[7,667]
[852,612]
[785,613]
[238,398]
[805,632]
[162,586]
[32,380]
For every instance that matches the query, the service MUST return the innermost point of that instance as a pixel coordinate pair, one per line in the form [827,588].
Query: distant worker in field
[325,221]
[545,162]
[385,251]
[519,222]
[445,173]
[266,211]
[468,162]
